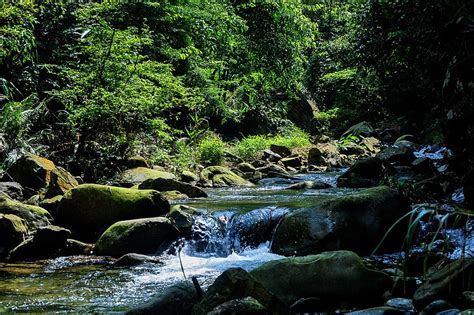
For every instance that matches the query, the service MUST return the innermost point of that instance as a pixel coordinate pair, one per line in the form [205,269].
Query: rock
[36,173]
[315,157]
[220,176]
[177,299]
[352,148]
[182,217]
[134,236]
[402,304]
[273,170]
[309,185]
[364,173]
[372,144]
[447,283]
[467,312]
[406,145]
[247,306]
[280,150]
[45,243]
[436,307]
[236,283]
[132,259]
[75,247]
[306,305]
[302,113]
[162,184]
[136,161]
[336,223]
[188,177]
[12,189]
[34,216]
[51,205]
[423,166]
[271,156]
[293,161]
[334,277]
[174,195]
[138,175]
[397,155]
[331,154]
[13,231]
[246,167]
[362,129]
[468,299]
[381,310]
[89,209]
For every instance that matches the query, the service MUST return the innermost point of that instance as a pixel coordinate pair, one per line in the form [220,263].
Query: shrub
[251,147]
[211,150]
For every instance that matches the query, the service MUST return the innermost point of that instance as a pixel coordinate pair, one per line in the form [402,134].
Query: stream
[234,229]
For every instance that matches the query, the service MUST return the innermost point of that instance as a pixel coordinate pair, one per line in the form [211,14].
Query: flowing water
[234,230]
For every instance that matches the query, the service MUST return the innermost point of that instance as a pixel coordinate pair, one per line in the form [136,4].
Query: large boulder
[167,184]
[138,175]
[331,154]
[12,189]
[45,243]
[247,305]
[141,236]
[447,283]
[356,222]
[36,173]
[362,129]
[364,173]
[13,231]
[89,209]
[33,216]
[236,283]
[219,176]
[177,299]
[398,155]
[333,277]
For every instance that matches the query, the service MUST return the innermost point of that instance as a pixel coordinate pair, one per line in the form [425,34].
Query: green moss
[138,175]
[33,215]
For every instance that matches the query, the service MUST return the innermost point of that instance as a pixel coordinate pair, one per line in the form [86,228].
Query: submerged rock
[166,184]
[334,277]
[141,236]
[236,283]
[356,222]
[177,299]
[89,209]
[219,176]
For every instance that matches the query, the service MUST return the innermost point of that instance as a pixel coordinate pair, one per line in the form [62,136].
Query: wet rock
[364,173]
[362,129]
[280,150]
[34,216]
[447,283]
[13,231]
[133,259]
[182,217]
[75,247]
[45,243]
[271,156]
[397,155]
[36,173]
[309,185]
[236,283]
[189,177]
[436,307]
[136,161]
[294,161]
[163,184]
[89,209]
[12,189]
[177,299]
[334,277]
[381,310]
[337,222]
[315,157]
[138,175]
[133,236]
[219,176]
[247,306]
[402,304]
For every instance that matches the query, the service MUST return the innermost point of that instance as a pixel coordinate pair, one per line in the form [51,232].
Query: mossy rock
[166,184]
[220,176]
[137,161]
[247,305]
[13,231]
[89,208]
[37,173]
[189,177]
[334,277]
[141,236]
[138,175]
[51,204]
[336,223]
[34,216]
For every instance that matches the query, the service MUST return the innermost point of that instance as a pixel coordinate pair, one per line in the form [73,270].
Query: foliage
[211,150]
[251,147]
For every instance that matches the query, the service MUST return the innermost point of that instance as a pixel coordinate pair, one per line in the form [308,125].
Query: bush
[211,150]
[251,147]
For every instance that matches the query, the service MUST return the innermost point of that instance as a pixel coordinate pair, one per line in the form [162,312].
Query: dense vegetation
[89,83]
